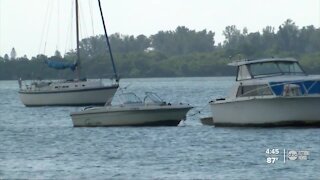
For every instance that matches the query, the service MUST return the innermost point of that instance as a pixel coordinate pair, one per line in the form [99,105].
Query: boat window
[291,68]
[243,73]
[266,68]
[254,90]
[275,68]
[129,98]
[152,98]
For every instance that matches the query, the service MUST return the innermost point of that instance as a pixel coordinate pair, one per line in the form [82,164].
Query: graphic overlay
[298,155]
[274,155]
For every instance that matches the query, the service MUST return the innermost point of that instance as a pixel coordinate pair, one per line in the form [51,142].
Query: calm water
[40,143]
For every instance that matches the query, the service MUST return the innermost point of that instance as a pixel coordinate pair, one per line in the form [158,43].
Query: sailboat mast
[108,44]
[77,34]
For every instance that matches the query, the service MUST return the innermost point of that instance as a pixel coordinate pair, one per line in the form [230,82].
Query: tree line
[182,52]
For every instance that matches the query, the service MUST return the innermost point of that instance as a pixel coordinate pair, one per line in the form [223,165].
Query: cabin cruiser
[132,111]
[269,92]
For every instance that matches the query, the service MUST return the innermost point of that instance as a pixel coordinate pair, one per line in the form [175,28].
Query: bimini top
[246,61]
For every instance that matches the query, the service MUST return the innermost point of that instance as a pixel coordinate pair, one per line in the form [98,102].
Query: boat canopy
[267,67]
[59,64]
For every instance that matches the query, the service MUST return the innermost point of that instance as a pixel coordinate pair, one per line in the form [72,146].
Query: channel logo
[293,155]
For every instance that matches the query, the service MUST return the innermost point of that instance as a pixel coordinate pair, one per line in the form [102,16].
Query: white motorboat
[270,92]
[75,92]
[132,111]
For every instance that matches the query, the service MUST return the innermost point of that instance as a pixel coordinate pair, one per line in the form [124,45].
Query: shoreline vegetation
[179,53]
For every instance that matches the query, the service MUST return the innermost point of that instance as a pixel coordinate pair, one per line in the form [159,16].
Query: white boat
[67,93]
[269,92]
[132,111]
[76,92]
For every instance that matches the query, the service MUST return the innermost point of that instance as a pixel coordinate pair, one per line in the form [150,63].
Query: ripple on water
[41,142]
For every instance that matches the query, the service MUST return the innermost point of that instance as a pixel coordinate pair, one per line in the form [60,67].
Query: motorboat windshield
[153,98]
[129,98]
[132,99]
[275,68]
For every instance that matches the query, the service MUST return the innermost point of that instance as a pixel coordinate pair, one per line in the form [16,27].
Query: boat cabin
[273,77]
[252,69]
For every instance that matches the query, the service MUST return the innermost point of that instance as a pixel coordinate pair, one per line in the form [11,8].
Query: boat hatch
[254,90]
[304,87]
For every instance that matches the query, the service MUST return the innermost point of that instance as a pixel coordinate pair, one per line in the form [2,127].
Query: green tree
[232,39]
[13,54]
[183,41]
[57,54]
[6,57]
[309,40]
[288,36]
[182,52]
[269,39]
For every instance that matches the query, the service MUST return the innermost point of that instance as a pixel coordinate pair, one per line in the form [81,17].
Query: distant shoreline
[180,77]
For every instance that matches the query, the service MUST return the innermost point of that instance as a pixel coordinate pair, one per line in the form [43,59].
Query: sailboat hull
[73,97]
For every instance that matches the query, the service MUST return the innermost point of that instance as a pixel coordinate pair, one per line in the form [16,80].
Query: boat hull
[268,112]
[83,97]
[133,117]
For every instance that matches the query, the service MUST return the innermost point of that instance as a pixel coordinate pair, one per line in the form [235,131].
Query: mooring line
[198,112]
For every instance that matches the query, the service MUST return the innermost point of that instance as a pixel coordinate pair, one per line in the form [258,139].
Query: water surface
[41,142]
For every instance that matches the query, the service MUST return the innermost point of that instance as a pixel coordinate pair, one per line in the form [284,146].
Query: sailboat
[75,92]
